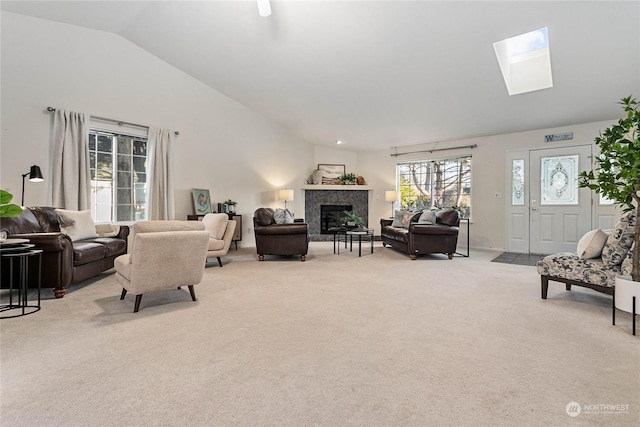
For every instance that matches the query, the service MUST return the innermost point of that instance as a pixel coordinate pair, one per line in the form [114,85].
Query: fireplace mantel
[320,187]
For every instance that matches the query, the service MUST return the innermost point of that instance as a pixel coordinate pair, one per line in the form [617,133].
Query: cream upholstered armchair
[162,255]
[220,229]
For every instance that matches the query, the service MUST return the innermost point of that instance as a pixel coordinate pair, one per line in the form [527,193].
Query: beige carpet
[335,341]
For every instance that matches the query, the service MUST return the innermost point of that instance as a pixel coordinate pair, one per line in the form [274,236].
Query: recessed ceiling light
[338,142]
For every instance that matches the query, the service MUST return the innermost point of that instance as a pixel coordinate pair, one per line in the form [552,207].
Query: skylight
[525,62]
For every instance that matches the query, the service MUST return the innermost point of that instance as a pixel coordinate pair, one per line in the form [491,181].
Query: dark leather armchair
[279,239]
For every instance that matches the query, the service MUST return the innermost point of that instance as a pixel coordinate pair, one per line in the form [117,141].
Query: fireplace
[353,197]
[330,216]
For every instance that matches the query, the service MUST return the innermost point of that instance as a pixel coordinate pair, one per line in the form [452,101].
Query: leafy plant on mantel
[348,178]
[7,209]
[616,174]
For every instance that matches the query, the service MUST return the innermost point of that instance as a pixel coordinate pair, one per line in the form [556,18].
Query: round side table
[17,253]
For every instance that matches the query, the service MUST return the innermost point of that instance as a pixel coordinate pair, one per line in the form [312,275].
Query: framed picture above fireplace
[331,173]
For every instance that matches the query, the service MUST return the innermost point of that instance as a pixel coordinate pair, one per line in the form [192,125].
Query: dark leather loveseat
[279,239]
[419,239]
[63,262]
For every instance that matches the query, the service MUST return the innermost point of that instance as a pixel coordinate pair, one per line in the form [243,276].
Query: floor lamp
[285,195]
[35,175]
[391,196]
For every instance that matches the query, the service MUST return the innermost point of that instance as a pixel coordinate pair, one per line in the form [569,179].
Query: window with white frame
[434,184]
[118,166]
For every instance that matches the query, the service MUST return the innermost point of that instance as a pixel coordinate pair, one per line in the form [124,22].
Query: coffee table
[359,231]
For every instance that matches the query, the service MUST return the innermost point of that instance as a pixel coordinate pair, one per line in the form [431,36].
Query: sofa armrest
[48,242]
[123,233]
[385,222]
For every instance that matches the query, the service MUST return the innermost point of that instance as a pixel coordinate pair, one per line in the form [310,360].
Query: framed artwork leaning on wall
[201,201]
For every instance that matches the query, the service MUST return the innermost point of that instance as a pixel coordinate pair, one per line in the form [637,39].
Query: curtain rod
[118,122]
[434,150]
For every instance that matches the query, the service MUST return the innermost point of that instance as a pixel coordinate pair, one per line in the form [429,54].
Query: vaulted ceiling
[380,74]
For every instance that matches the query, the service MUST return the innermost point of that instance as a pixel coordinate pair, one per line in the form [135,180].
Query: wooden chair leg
[220,261]
[124,292]
[192,292]
[136,307]
[544,283]
[302,258]
[260,257]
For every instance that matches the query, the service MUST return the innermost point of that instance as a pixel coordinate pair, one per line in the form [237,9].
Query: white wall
[488,176]
[223,146]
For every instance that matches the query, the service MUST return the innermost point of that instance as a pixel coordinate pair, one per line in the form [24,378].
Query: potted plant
[231,206]
[348,179]
[7,210]
[617,169]
[350,219]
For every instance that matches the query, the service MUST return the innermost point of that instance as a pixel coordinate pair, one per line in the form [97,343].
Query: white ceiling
[380,74]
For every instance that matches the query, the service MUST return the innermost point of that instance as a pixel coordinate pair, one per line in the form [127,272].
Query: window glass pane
[124,180]
[517,183]
[104,143]
[139,177]
[140,148]
[92,141]
[559,180]
[125,197]
[124,145]
[125,213]
[139,164]
[124,163]
[104,166]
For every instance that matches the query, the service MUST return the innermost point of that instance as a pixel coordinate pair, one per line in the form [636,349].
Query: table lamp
[285,195]
[391,196]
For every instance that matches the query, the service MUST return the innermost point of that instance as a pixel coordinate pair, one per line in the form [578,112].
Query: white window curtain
[160,174]
[71,183]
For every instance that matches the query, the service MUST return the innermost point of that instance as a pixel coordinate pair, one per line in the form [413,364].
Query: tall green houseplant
[616,173]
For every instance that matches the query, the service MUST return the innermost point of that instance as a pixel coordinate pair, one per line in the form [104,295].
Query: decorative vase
[317,176]
[360,180]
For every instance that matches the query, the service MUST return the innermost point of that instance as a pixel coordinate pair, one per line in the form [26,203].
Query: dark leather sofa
[420,239]
[279,239]
[63,262]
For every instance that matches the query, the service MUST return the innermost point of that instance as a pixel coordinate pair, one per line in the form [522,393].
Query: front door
[546,210]
[560,211]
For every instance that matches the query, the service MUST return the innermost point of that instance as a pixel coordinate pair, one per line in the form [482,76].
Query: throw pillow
[215,224]
[107,230]
[427,217]
[619,241]
[283,216]
[397,219]
[591,244]
[82,226]
[627,264]
[407,217]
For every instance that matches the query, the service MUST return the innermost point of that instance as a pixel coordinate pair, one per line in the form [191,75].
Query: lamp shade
[390,196]
[35,174]
[285,194]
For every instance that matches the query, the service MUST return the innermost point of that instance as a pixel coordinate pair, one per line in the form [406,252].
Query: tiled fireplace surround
[314,198]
